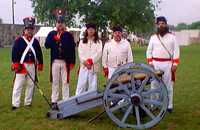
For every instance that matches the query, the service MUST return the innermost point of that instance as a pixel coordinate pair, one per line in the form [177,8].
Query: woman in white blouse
[89,51]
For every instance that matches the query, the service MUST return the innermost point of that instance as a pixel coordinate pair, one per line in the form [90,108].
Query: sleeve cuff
[40,67]
[89,61]
[149,60]
[14,66]
[176,62]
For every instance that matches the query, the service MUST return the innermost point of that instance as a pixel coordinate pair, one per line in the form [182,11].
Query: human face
[117,35]
[29,32]
[162,26]
[91,32]
[60,26]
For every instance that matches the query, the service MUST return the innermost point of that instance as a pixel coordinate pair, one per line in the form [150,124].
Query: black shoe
[14,108]
[54,106]
[170,110]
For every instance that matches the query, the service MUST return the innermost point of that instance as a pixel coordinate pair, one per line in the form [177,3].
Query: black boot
[54,106]
[170,110]
[14,108]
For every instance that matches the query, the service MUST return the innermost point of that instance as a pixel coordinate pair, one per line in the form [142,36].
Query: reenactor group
[27,58]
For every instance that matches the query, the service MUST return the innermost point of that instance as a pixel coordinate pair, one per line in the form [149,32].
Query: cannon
[129,99]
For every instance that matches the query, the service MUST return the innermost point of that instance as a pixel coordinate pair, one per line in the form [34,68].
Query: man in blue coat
[62,46]
[26,60]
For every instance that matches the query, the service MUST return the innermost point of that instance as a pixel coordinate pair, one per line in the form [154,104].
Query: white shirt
[156,50]
[116,54]
[90,50]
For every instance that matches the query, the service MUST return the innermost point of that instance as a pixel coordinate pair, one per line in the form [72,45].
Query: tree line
[194,25]
[133,15]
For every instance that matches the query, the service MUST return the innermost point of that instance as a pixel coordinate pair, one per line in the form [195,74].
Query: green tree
[1,21]
[195,25]
[182,26]
[43,10]
[134,15]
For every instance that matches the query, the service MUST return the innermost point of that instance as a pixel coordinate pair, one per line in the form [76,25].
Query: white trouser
[111,70]
[59,73]
[87,80]
[166,68]
[20,80]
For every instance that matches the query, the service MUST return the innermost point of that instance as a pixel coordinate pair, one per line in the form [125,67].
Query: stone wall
[8,33]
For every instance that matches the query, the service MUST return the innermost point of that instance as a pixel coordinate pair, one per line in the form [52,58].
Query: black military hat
[161,18]
[59,15]
[117,28]
[90,25]
[60,19]
[29,22]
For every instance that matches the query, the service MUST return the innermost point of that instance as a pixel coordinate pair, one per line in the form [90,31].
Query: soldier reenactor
[62,46]
[163,54]
[26,60]
[116,52]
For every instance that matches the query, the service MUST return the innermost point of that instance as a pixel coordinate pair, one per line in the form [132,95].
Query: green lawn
[186,115]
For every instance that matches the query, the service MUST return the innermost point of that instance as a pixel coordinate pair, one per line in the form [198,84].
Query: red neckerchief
[58,36]
[28,37]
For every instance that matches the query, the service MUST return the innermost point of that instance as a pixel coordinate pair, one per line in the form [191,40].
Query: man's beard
[117,39]
[162,31]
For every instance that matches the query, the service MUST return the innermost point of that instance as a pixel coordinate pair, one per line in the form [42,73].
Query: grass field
[186,115]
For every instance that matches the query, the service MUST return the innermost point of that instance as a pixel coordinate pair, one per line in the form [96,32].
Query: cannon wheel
[133,103]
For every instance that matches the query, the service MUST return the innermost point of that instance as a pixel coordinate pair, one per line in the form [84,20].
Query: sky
[22,9]
[176,11]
